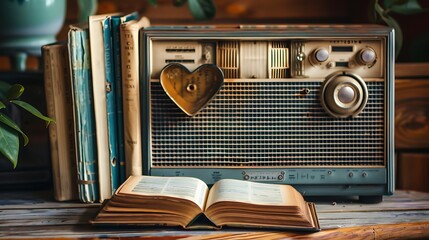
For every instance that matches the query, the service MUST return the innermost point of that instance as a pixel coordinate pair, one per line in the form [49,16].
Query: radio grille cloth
[264,124]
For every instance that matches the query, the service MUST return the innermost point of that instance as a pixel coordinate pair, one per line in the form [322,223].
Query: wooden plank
[25,205]
[406,195]
[36,199]
[344,207]
[378,231]
[401,200]
[417,230]
[413,171]
[412,114]
[411,70]
[90,232]
[354,219]
[328,219]
[51,217]
[406,210]
[387,231]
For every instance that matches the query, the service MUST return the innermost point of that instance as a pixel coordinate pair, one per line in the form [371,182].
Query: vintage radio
[310,106]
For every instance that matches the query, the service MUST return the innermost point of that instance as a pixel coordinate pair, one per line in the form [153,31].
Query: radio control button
[300,56]
[346,94]
[321,54]
[367,56]
[350,174]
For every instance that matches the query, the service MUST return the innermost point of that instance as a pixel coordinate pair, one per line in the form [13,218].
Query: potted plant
[25,26]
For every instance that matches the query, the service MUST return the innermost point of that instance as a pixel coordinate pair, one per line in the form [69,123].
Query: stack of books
[91,85]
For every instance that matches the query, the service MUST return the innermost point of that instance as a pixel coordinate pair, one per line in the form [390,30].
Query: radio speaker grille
[278,60]
[228,58]
[266,124]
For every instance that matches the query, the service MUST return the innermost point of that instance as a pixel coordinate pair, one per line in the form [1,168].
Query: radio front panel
[310,109]
[261,59]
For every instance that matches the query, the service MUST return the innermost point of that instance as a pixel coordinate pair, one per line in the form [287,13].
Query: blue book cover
[83,114]
[111,91]
[116,44]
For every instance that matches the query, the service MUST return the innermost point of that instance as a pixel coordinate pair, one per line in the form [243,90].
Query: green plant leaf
[9,144]
[202,9]
[403,6]
[15,91]
[390,3]
[4,88]
[2,105]
[32,110]
[9,122]
[390,21]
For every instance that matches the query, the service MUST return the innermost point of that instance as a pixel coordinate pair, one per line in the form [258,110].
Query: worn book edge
[202,222]
[61,135]
[83,113]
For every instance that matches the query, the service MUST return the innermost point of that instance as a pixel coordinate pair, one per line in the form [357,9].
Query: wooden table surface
[32,215]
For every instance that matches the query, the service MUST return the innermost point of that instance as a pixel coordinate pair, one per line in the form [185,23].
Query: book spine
[50,108]
[100,103]
[116,45]
[131,98]
[111,91]
[83,110]
[61,136]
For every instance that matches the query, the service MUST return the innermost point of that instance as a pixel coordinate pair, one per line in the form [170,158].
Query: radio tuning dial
[321,54]
[343,95]
[367,56]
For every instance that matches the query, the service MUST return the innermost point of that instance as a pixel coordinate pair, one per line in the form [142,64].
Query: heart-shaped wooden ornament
[191,91]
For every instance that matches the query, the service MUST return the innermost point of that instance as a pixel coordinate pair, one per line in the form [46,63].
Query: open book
[188,202]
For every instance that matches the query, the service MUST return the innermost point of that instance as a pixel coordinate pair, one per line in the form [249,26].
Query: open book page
[188,188]
[252,193]
[243,203]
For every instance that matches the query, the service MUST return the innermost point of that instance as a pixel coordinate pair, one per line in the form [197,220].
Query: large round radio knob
[367,56]
[343,95]
[321,55]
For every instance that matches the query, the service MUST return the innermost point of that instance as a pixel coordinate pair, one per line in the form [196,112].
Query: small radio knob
[367,56]
[300,56]
[321,54]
